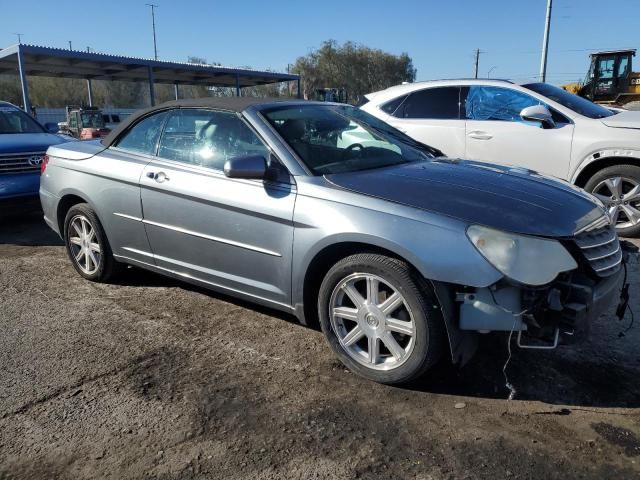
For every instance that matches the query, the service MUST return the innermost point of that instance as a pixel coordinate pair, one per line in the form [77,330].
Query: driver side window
[207,138]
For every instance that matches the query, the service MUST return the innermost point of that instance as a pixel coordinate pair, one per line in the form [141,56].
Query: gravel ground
[154,378]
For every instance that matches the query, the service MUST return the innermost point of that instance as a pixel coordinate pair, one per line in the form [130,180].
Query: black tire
[107,266]
[631,172]
[429,339]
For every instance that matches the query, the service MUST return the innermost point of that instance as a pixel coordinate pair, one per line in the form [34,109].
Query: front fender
[602,155]
[436,246]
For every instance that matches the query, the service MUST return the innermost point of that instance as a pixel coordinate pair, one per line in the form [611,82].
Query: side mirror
[538,113]
[247,166]
[51,127]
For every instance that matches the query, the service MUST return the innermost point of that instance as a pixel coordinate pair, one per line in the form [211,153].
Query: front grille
[601,250]
[20,162]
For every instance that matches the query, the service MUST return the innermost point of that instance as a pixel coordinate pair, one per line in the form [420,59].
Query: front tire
[618,187]
[381,318]
[87,245]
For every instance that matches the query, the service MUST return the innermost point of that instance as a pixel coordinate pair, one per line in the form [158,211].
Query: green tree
[356,68]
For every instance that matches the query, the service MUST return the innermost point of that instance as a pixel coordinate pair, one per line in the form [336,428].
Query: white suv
[537,126]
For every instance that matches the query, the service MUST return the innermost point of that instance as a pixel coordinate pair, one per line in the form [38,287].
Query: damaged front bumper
[561,312]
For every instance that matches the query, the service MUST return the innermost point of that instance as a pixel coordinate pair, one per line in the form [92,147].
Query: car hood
[625,119]
[507,198]
[28,142]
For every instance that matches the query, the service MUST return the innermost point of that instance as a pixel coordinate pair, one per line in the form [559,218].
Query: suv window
[391,106]
[496,103]
[208,138]
[501,104]
[442,103]
[143,136]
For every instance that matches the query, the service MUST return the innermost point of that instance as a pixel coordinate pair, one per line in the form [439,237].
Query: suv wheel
[381,318]
[87,244]
[619,189]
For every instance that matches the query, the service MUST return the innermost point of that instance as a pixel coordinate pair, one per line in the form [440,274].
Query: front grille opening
[600,248]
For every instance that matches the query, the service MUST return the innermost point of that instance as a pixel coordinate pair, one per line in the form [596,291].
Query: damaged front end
[543,316]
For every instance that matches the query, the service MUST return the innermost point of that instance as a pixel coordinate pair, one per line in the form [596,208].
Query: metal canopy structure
[32,60]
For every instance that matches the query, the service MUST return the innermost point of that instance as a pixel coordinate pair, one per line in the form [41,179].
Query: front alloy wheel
[376,329]
[381,318]
[618,187]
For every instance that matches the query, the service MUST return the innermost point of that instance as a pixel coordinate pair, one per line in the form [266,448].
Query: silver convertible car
[323,211]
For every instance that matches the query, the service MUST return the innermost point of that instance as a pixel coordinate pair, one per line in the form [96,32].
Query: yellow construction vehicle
[610,80]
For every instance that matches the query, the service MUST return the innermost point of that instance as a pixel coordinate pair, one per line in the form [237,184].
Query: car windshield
[13,120]
[573,102]
[340,138]
[92,120]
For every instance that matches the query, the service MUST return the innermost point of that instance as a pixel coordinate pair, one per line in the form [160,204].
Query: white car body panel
[562,152]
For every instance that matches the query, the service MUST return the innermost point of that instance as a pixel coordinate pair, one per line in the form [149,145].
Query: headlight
[528,260]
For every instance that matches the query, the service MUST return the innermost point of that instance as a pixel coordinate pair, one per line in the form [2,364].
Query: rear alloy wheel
[618,187]
[85,248]
[87,244]
[381,318]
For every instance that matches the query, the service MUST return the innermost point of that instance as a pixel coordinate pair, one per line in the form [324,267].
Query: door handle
[158,177]
[479,135]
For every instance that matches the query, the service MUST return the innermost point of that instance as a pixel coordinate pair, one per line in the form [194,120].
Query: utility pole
[70,47]
[545,43]
[478,52]
[153,23]
[19,35]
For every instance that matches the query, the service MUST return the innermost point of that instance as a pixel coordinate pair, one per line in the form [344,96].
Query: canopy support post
[90,92]
[152,92]
[23,82]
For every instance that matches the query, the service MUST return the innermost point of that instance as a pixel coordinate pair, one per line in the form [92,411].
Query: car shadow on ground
[568,376]
[22,224]
[138,277]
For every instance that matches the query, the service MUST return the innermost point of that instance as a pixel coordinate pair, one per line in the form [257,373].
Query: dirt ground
[152,378]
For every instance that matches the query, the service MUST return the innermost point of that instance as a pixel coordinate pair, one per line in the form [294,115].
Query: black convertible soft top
[231,104]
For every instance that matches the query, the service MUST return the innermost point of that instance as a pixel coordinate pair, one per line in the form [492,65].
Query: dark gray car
[325,212]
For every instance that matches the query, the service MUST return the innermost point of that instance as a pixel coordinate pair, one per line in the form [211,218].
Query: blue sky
[439,35]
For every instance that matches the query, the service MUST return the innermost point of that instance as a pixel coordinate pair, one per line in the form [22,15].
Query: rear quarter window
[391,106]
[438,103]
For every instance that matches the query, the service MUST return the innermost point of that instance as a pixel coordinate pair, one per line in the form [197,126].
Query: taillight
[43,165]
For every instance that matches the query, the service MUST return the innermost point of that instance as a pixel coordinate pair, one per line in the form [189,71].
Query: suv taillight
[43,165]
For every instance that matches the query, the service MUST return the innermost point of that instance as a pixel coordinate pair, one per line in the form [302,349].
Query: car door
[235,234]
[496,133]
[119,193]
[431,116]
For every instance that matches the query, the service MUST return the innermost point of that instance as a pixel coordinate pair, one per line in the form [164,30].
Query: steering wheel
[351,148]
